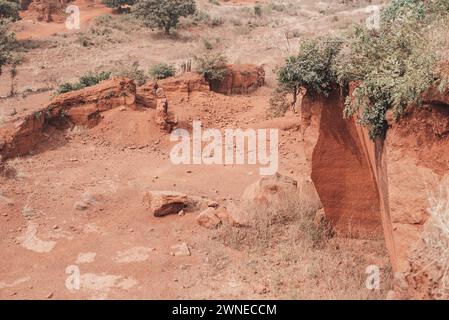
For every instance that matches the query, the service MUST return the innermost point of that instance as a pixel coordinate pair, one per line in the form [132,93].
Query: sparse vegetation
[162,71]
[15,62]
[213,66]
[9,9]
[431,259]
[268,224]
[258,10]
[131,71]
[118,4]
[87,80]
[8,44]
[163,14]
[279,104]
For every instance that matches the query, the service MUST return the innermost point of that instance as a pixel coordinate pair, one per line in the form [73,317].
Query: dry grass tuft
[430,263]
[268,224]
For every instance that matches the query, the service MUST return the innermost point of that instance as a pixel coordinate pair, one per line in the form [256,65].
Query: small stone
[80,205]
[180,250]
[55,227]
[212,204]
[50,295]
[208,219]
[181,213]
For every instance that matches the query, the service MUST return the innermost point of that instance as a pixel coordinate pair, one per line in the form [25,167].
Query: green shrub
[162,71]
[9,9]
[213,66]
[89,79]
[131,71]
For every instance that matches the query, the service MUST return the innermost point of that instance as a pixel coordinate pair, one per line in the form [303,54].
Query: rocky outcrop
[184,84]
[20,136]
[339,155]
[374,188]
[240,79]
[181,86]
[82,107]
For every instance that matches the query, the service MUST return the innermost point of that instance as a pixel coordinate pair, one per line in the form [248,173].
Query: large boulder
[240,79]
[268,193]
[209,218]
[270,189]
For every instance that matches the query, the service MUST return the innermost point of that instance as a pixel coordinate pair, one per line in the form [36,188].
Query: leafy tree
[118,4]
[163,14]
[9,9]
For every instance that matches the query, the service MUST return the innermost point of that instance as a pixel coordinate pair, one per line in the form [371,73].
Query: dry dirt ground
[121,250]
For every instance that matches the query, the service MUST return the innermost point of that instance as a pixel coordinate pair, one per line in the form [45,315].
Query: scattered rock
[212,204]
[180,250]
[86,257]
[208,219]
[81,205]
